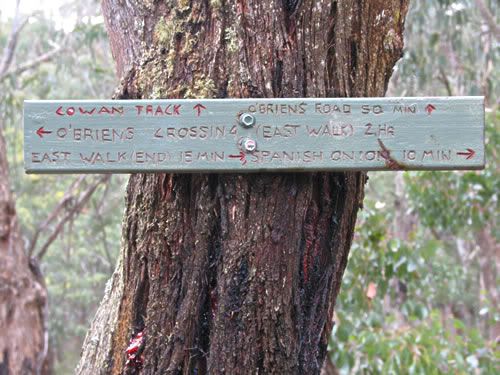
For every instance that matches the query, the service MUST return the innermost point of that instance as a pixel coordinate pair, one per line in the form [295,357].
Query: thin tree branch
[45,57]
[68,196]
[83,199]
[10,47]
[446,82]
[489,18]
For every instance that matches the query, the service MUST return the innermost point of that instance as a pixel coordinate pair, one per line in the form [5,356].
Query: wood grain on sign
[280,134]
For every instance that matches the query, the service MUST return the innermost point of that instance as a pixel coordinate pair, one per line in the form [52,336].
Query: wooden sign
[250,135]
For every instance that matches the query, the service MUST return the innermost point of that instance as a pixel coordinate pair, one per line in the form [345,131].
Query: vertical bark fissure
[243,270]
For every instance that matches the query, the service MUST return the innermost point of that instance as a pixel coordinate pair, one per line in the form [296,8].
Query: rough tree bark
[237,273]
[23,296]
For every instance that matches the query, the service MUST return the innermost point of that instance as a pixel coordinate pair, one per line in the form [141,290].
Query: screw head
[249,145]
[247,120]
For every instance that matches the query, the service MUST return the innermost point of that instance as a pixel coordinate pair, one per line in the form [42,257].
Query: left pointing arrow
[41,131]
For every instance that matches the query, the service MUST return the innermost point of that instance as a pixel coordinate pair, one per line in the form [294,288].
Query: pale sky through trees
[51,8]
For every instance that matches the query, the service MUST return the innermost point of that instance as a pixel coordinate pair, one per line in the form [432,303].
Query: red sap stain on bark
[133,351]
[242,7]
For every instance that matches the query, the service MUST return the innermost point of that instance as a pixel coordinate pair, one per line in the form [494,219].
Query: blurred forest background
[421,291]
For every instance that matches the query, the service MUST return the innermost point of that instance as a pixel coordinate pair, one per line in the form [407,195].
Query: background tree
[23,298]
[222,273]
[45,211]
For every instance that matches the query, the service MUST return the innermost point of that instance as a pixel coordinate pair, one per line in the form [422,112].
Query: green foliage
[460,203]
[404,328]
[424,348]
[449,50]
[434,311]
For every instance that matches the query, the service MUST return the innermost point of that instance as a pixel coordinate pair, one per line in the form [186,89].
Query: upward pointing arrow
[199,107]
[429,108]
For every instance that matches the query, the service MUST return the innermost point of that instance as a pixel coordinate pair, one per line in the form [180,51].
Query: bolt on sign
[251,135]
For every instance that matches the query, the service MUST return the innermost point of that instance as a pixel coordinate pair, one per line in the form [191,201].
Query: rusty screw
[247,120]
[249,145]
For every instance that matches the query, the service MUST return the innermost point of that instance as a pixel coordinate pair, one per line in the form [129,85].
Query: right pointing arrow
[469,154]
[241,156]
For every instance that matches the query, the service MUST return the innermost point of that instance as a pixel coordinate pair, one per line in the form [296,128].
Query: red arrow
[199,107]
[41,131]
[469,154]
[429,108]
[242,156]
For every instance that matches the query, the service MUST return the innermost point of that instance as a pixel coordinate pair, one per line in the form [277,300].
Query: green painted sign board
[251,135]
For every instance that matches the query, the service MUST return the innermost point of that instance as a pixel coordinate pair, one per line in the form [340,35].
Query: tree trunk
[23,297]
[237,273]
